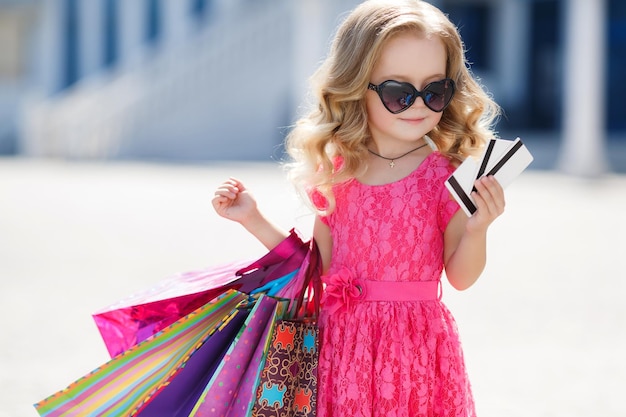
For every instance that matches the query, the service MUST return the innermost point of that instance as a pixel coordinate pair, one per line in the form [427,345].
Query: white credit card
[504,159]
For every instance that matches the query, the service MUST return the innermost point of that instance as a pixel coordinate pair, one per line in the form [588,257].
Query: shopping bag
[220,370]
[138,317]
[288,385]
[288,381]
[188,350]
[232,386]
[232,389]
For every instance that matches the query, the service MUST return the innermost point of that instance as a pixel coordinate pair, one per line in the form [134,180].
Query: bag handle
[284,250]
[311,287]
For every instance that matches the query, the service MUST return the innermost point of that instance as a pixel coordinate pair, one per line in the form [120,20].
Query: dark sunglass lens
[437,95]
[432,100]
[397,96]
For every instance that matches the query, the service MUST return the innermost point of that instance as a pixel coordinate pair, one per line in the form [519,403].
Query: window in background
[474,23]
[70,40]
[545,66]
[153,21]
[616,83]
[200,10]
[110,37]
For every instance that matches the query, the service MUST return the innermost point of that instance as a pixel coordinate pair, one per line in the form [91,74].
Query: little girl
[396,110]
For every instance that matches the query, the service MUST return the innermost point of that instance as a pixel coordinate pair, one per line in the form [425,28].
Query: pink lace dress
[390,358]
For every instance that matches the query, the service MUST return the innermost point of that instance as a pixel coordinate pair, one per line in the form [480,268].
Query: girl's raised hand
[490,203]
[234,202]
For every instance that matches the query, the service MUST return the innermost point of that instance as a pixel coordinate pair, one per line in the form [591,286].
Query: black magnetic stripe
[505,158]
[483,166]
[462,195]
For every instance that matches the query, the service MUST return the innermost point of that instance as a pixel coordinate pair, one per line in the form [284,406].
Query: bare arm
[465,239]
[234,202]
[323,239]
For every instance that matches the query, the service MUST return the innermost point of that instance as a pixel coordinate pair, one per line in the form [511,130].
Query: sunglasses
[397,96]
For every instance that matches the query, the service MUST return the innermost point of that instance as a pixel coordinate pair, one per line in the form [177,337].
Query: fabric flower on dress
[341,290]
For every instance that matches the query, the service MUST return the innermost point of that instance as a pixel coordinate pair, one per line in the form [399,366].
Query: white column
[91,46]
[309,43]
[176,20]
[583,143]
[132,30]
[51,48]
[510,52]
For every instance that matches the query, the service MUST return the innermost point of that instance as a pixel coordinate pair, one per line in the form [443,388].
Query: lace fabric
[389,358]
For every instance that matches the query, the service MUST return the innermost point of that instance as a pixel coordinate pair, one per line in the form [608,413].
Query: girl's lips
[415,120]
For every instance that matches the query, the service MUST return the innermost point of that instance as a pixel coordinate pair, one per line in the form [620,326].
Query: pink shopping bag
[138,317]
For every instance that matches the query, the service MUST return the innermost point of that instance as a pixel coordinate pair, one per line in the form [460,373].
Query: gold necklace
[392,160]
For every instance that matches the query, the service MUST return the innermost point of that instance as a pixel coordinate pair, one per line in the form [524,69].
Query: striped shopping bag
[126,384]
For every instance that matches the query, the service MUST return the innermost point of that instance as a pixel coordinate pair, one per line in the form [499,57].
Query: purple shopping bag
[138,317]
[182,392]
[232,386]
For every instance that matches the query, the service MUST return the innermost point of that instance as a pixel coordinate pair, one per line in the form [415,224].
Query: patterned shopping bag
[161,366]
[288,385]
[288,382]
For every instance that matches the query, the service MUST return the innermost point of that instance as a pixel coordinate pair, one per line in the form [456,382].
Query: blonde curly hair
[337,126]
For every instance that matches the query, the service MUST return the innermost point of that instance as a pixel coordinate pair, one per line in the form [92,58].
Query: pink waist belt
[398,291]
[342,290]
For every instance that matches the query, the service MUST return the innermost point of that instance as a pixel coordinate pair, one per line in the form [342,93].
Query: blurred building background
[223,79]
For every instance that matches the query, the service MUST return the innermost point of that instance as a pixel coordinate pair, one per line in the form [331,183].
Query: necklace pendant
[392,164]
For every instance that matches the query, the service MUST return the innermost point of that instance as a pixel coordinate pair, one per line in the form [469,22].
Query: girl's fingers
[226,194]
[490,197]
[482,195]
[235,182]
[482,208]
[232,201]
[497,194]
[485,196]
[220,199]
[228,190]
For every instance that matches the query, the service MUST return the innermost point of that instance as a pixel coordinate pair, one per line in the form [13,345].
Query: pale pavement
[544,329]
